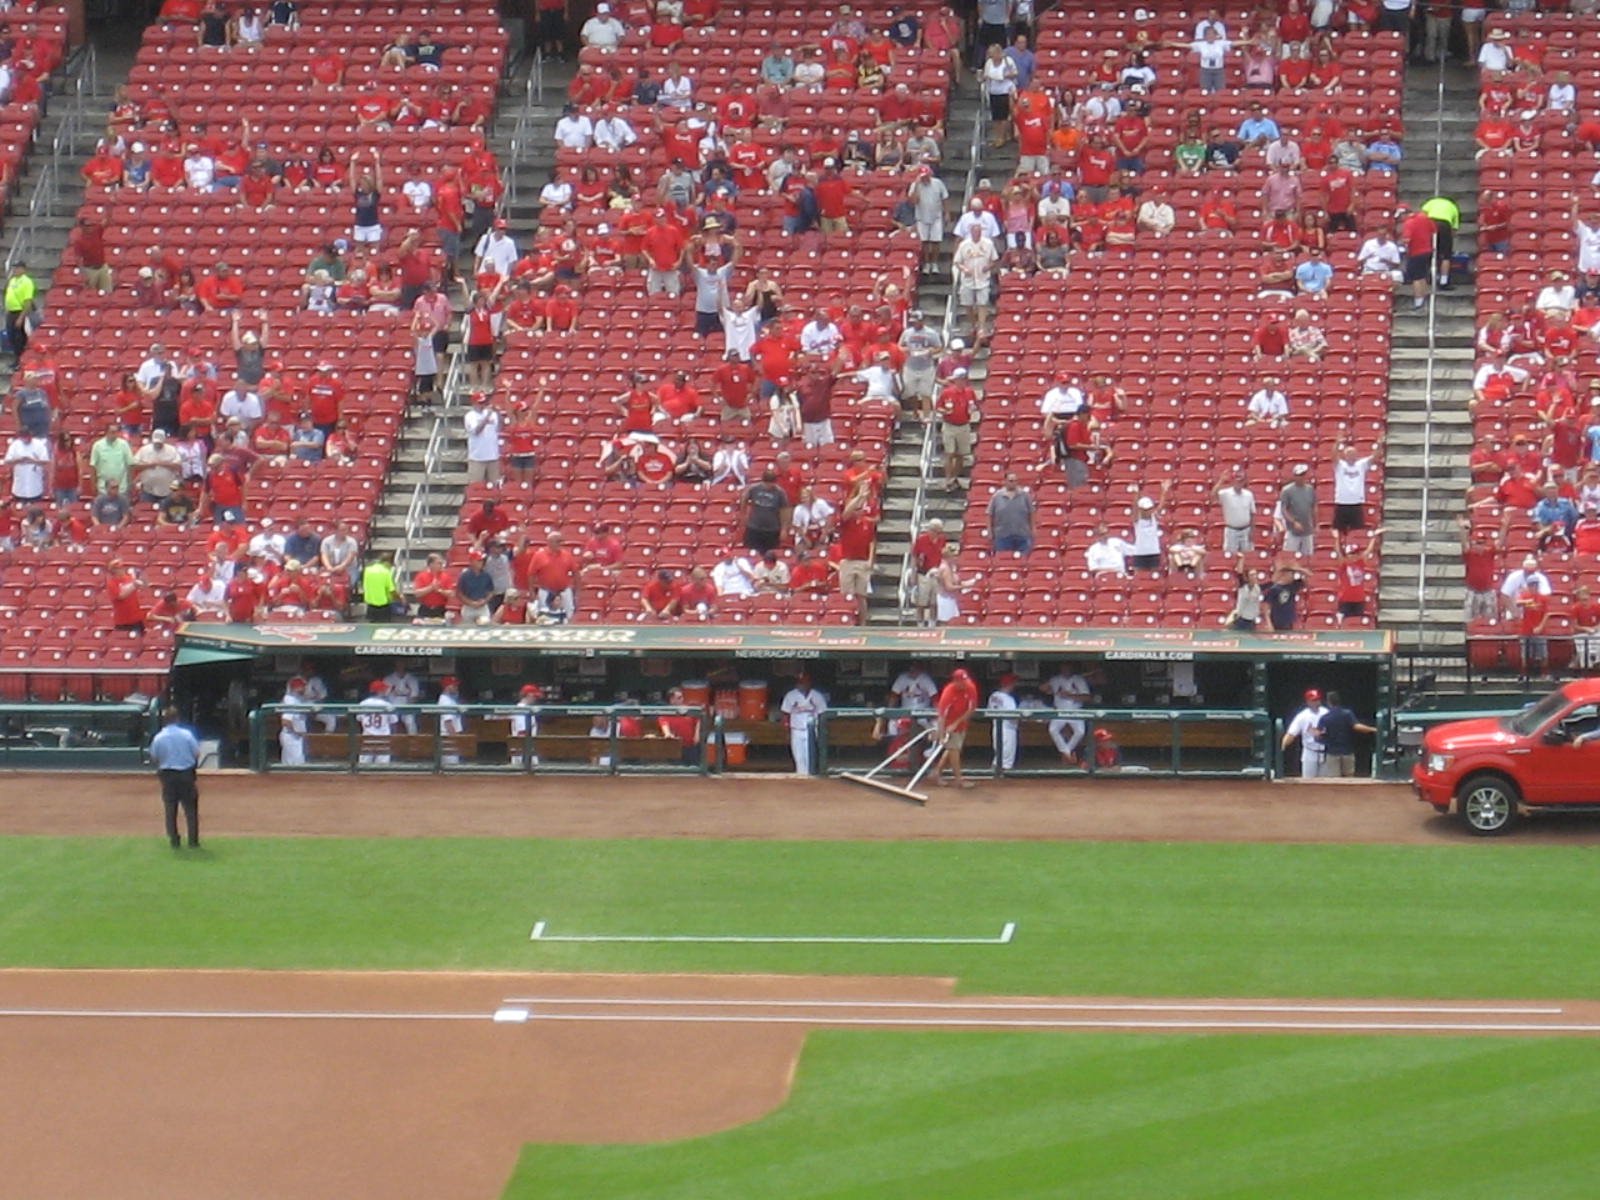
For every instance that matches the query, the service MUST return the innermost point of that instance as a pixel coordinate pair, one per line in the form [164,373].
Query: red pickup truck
[1491,770]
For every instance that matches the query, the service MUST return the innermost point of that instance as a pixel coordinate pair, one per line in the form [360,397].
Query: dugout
[1178,701]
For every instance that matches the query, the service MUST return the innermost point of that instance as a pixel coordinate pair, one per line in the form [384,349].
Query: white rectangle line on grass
[955,1004]
[541,933]
[1176,1024]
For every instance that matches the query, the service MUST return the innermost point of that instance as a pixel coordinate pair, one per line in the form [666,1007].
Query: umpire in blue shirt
[176,754]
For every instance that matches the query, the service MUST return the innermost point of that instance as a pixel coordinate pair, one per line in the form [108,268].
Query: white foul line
[1007,933]
[955,1004]
[154,1014]
[1085,1023]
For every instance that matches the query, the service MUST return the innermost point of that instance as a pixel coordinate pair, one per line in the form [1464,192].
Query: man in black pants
[175,751]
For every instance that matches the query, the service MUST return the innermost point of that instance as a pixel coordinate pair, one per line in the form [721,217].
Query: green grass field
[941,1115]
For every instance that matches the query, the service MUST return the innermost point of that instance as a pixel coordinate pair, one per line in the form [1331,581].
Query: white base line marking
[1047,1006]
[1007,933]
[152,1014]
[1086,1023]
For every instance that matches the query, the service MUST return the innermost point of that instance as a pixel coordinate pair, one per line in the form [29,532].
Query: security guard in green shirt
[378,588]
[21,292]
[1446,219]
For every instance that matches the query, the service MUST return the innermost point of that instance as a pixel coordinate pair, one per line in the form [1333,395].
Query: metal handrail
[1429,380]
[930,440]
[420,508]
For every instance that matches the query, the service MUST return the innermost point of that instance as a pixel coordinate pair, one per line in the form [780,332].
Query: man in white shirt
[1068,690]
[1494,56]
[29,460]
[156,468]
[452,723]
[612,132]
[292,725]
[199,170]
[979,217]
[803,707]
[1156,216]
[1526,576]
[1269,405]
[404,688]
[269,543]
[243,403]
[1107,555]
[496,251]
[1380,255]
[1210,24]
[418,194]
[482,425]
[376,719]
[740,322]
[1350,489]
[1303,728]
[973,265]
[914,688]
[574,131]
[820,336]
[1238,504]
[1062,401]
[1004,732]
[602,31]
[208,597]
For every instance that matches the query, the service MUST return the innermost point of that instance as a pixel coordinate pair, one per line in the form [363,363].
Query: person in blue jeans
[1011,517]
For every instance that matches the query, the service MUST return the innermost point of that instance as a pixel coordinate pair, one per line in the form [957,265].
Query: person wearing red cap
[377,718]
[292,725]
[803,707]
[1004,697]
[1305,728]
[956,704]
[525,725]
[452,723]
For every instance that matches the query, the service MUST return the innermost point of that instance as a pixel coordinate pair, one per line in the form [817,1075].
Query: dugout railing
[567,739]
[1194,743]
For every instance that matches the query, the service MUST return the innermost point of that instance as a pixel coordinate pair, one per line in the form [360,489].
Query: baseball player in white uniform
[525,724]
[452,723]
[292,725]
[1004,731]
[1068,690]
[377,719]
[316,692]
[404,688]
[1303,727]
[802,707]
[914,688]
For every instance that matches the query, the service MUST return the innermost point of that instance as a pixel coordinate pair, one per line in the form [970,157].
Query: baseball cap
[1007,679]
[531,690]
[449,681]
[377,687]
[296,684]
[1313,696]
[1102,735]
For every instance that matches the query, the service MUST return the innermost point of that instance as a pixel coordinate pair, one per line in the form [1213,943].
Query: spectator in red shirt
[433,586]
[219,289]
[697,595]
[833,197]
[659,598]
[553,571]
[1480,561]
[684,727]
[487,524]
[127,594]
[957,408]
[1417,235]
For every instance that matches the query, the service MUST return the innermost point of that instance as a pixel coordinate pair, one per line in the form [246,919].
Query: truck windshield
[1535,715]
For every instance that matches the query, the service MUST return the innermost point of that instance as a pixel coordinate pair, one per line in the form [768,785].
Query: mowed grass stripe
[1462,921]
[973,1116]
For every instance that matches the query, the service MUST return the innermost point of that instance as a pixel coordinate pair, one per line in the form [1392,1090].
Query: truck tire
[1488,804]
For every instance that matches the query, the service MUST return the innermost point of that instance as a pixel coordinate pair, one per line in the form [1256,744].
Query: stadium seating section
[621,330]
[1539,189]
[54,610]
[1171,322]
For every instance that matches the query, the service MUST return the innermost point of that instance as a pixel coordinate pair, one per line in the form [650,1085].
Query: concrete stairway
[1421,590]
[438,432]
[906,480]
[48,188]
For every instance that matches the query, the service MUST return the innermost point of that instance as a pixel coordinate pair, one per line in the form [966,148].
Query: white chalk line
[956,1004]
[204,1014]
[1176,1024]
[541,933]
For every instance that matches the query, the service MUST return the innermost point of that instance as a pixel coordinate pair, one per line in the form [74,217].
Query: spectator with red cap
[957,702]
